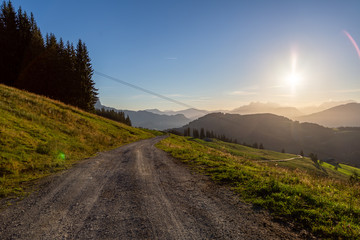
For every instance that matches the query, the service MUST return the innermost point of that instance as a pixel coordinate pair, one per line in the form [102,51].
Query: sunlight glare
[293,79]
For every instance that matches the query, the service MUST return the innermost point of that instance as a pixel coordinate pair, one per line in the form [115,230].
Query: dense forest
[47,66]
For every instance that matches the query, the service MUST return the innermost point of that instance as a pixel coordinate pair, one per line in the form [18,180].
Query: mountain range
[150,120]
[347,115]
[190,113]
[330,114]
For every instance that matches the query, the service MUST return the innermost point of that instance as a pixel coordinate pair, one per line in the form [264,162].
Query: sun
[293,79]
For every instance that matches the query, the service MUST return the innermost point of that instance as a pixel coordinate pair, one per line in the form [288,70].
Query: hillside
[39,136]
[307,110]
[277,133]
[346,115]
[151,120]
[317,197]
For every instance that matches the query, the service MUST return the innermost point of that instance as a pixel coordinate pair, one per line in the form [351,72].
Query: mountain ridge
[258,107]
[346,115]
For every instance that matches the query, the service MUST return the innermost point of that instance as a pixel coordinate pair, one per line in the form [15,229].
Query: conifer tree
[9,49]
[208,134]
[195,133]
[128,121]
[202,133]
[88,92]
[188,131]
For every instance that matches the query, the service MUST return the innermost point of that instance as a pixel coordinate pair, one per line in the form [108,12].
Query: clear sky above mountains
[213,54]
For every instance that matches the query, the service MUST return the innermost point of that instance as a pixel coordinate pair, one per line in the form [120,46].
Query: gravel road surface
[135,192]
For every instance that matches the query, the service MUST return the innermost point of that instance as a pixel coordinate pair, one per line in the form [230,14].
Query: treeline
[48,67]
[207,134]
[114,115]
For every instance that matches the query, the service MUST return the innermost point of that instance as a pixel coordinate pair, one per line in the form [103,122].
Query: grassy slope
[318,198]
[39,136]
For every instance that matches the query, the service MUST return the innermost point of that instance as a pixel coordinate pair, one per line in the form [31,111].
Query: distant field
[312,196]
[39,136]
[348,170]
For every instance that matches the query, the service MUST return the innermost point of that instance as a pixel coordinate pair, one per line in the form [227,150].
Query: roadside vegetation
[40,136]
[316,196]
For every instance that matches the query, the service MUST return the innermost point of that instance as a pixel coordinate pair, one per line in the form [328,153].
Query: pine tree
[208,134]
[314,158]
[87,90]
[188,131]
[202,133]
[128,121]
[32,68]
[9,45]
[195,133]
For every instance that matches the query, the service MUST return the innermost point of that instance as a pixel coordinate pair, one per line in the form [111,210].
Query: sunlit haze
[213,54]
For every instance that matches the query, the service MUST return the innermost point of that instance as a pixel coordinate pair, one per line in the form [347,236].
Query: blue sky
[213,54]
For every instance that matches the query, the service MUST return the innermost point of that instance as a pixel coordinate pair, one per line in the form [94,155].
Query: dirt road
[134,192]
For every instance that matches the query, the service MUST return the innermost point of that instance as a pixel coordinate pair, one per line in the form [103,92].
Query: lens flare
[353,42]
[61,156]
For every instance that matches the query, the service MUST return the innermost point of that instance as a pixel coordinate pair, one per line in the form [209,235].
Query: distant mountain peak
[274,108]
